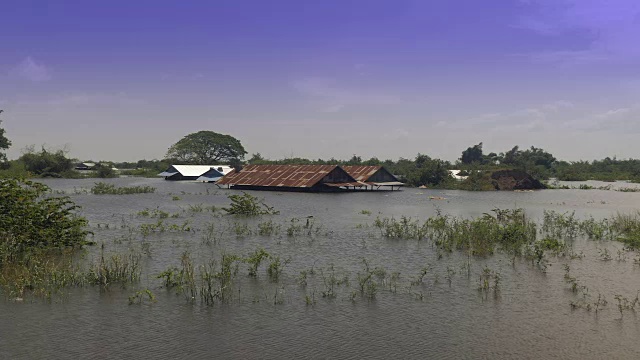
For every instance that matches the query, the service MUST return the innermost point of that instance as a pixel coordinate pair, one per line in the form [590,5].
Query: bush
[102,188]
[30,220]
[105,171]
[248,205]
[46,162]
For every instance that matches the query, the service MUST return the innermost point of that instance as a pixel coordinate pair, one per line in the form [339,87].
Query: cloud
[80,99]
[31,70]
[624,120]
[396,134]
[334,98]
[609,29]
[538,118]
[560,116]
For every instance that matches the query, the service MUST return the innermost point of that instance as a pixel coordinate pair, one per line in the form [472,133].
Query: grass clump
[248,205]
[115,269]
[102,188]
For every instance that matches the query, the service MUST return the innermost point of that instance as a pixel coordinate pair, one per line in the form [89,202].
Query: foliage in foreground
[38,236]
[29,220]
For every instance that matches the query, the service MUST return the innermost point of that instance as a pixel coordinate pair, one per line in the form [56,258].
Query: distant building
[454,174]
[308,178]
[85,166]
[193,172]
[374,177]
[212,175]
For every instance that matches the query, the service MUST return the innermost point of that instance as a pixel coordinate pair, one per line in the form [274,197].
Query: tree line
[211,148]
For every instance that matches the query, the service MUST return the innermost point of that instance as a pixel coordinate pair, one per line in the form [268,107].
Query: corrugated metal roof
[361,172]
[195,170]
[300,176]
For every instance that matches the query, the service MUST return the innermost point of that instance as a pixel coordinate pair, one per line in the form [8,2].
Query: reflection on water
[529,318]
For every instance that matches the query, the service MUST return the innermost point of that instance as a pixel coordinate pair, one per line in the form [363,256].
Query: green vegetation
[248,205]
[47,163]
[101,188]
[205,148]
[608,169]
[38,235]
[104,170]
[4,142]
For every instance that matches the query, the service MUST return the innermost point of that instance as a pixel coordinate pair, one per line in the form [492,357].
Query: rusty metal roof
[301,176]
[361,172]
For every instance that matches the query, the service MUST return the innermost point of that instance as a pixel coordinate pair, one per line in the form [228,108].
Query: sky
[124,80]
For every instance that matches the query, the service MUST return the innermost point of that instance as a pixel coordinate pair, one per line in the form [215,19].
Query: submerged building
[374,177]
[195,172]
[308,178]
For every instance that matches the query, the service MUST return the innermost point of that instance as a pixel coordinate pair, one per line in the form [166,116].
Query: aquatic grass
[117,268]
[210,234]
[241,229]
[140,296]
[101,188]
[331,281]
[195,208]
[366,279]
[295,228]
[268,228]
[405,228]
[560,225]
[156,213]
[489,282]
[629,189]
[41,274]
[276,267]
[255,259]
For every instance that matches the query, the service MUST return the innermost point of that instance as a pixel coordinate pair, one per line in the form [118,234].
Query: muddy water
[444,317]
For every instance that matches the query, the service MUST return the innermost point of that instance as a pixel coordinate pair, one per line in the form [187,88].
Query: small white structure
[454,174]
[192,172]
[85,166]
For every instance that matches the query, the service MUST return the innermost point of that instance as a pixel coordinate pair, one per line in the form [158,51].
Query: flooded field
[332,285]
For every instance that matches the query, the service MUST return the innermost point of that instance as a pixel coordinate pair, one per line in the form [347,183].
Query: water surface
[529,318]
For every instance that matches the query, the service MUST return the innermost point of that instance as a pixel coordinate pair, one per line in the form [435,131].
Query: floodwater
[445,316]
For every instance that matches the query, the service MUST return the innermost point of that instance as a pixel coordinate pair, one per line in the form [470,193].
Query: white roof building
[192,172]
[454,174]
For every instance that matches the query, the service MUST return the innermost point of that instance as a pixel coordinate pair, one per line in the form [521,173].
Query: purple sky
[112,80]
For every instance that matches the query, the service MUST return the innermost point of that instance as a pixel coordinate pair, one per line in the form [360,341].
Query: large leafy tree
[207,147]
[4,143]
[428,171]
[472,155]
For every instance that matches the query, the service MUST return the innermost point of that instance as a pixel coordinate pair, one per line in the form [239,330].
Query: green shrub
[248,205]
[29,220]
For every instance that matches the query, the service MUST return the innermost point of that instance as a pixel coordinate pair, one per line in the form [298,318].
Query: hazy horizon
[120,81]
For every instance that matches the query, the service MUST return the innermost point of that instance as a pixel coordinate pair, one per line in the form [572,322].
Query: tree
[207,147]
[472,155]
[46,163]
[257,158]
[105,170]
[428,171]
[4,143]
